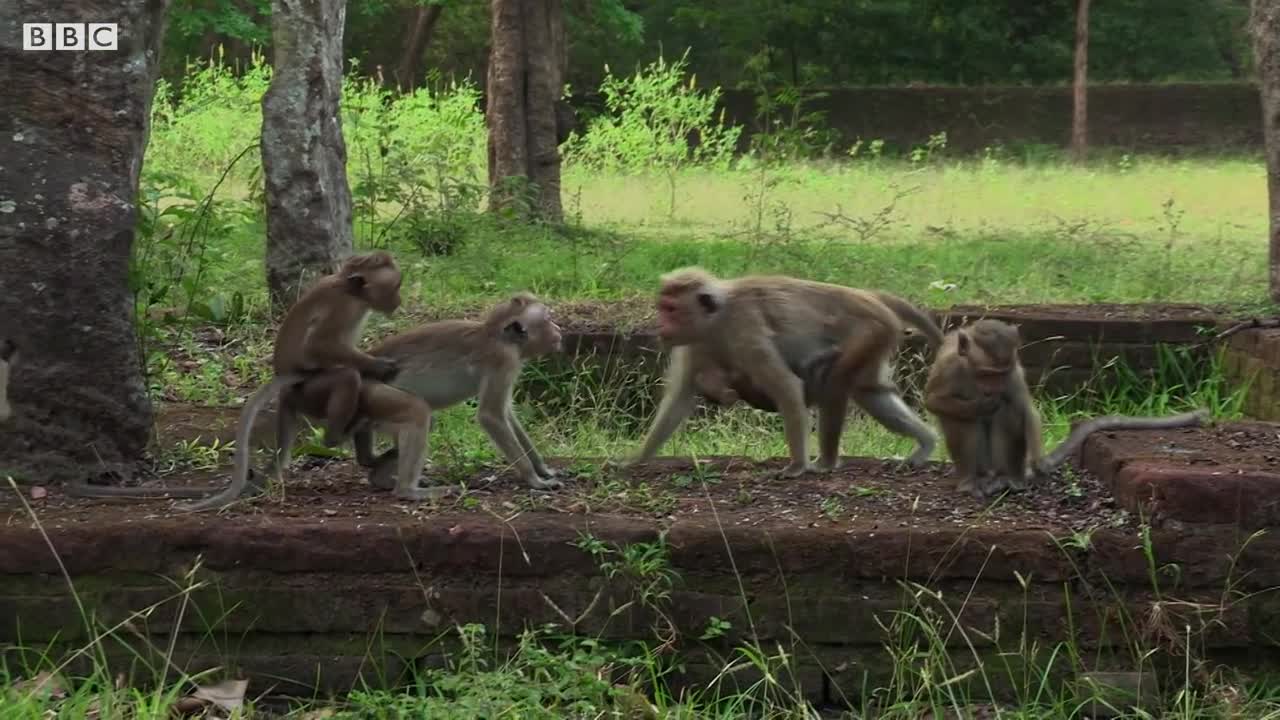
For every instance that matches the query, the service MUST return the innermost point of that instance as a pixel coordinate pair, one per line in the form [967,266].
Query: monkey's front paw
[969,487]
[537,483]
[824,465]
[1016,483]
[547,473]
[418,494]
[995,485]
[795,470]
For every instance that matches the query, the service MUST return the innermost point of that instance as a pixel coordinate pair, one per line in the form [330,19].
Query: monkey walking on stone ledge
[786,344]
[978,391]
[447,362]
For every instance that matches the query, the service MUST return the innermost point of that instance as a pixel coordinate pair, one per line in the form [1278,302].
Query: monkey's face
[684,315]
[382,289]
[540,335]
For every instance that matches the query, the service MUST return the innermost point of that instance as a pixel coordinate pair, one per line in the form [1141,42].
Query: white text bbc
[70,36]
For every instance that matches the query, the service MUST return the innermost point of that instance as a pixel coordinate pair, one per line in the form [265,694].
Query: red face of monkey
[684,314]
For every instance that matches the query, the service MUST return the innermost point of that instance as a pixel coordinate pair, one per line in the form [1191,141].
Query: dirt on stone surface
[1240,446]
[863,494]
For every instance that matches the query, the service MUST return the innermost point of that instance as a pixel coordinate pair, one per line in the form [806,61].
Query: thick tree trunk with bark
[73,128]
[1080,85]
[422,23]
[526,76]
[304,158]
[1265,25]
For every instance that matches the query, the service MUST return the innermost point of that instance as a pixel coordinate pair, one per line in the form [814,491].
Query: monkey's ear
[515,332]
[708,302]
[355,282]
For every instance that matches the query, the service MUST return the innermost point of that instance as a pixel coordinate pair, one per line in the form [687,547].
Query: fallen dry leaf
[226,695]
[44,684]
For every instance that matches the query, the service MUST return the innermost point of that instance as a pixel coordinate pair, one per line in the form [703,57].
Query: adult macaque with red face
[793,344]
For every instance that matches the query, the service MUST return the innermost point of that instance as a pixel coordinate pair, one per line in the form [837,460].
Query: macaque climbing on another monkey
[318,369]
[978,390]
[775,331]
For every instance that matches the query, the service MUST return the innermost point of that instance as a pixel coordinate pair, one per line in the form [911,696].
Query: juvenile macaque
[978,390]
[318,369]
[444,363]
[8,356]
[774,332]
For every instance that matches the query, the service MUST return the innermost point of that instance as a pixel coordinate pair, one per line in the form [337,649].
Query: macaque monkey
[317,367]
[319,370]
[725,387]
[444,363]
[8,356]
[775,331]
[978,390]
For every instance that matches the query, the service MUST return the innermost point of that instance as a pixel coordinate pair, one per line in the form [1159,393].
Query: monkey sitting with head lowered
[444,363]
[794,343]
[978,390]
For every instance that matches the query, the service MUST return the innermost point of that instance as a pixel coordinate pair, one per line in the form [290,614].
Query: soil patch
[1228,473]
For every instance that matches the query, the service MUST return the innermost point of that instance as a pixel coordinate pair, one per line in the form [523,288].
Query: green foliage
[419,153]
[651,118]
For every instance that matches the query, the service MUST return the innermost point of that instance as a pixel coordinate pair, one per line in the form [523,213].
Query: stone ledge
[1226,474]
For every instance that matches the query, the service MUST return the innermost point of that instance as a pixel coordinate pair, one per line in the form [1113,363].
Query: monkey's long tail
[913,315]
[1118,422]
[240,465]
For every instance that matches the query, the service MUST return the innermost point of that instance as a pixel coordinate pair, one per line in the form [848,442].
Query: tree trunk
[417,37]
[526,76]
[1265,24]
[304,158]
[73,130]
[1080,85]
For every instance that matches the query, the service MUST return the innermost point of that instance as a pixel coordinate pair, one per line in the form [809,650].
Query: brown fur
[448,362]
[319,370]
[785,336]
[978,390]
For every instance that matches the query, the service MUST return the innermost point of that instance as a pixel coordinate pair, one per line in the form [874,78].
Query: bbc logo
[70,36]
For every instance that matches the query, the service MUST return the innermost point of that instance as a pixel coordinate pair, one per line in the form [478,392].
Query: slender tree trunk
[1265,25]
[417,37]
[304,157]
[526,71]
[73,131]
[1080,85]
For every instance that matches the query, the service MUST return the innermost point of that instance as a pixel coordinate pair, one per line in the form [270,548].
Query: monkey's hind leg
[409,418]
[886,406]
